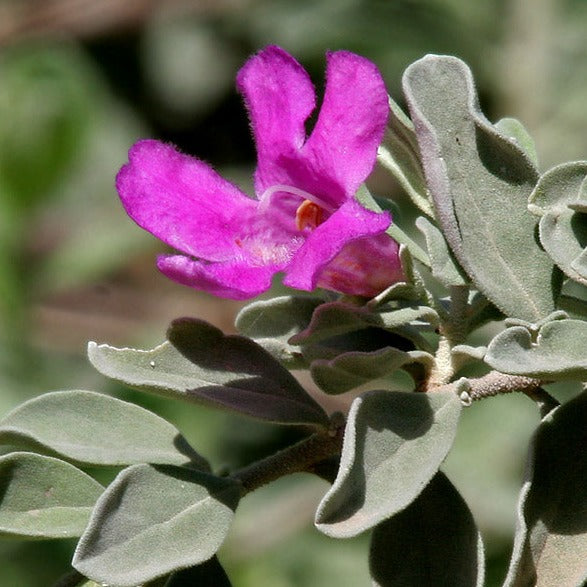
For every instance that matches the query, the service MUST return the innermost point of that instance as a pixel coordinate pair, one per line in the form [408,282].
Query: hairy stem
[453,331]
[300,457]
[308,455]
[496,383]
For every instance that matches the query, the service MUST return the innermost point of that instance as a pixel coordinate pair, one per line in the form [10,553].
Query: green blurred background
[81,80]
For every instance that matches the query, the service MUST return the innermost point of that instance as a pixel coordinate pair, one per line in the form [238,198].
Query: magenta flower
[305,221]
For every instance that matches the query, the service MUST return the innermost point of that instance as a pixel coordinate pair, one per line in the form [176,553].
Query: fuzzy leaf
[93,428]
[444,267]
[464,353]
[559,351]
[394,319]
[394,444]
[271,323]
[350,370]
[434,541]
[480,181]
[402,291]
[579,266]
[153,520]
[332,319]
[399,155]
[43,497]
[200,364]
[550,547]
[364,197]
[514,129]
[366,340]
[574,307]
[563,229]
[338,318]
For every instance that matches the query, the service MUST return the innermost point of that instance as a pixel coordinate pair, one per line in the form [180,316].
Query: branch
[310,454]
[496,383]
[303,456]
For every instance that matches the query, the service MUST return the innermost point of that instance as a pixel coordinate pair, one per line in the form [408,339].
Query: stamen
[309,215]
[265,198]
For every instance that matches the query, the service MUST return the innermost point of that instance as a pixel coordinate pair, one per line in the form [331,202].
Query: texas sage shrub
[501,242]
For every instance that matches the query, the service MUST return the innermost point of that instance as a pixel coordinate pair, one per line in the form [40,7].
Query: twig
[496,383]
[308,454]
[300,457]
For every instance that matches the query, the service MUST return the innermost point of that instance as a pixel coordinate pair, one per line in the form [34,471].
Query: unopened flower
[305,221]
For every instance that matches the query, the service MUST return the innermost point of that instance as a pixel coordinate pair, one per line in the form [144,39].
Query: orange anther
[308,215]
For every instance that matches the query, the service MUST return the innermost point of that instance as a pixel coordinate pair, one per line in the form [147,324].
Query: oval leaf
[271,323]
[350,370]
[550,547]
[398,154]
[408,315]
[444,267]
[394,444]
[480,181]
[43,497]
[558,352]
[153,520]
[93,428]
[434,541]
[200,364]
[335,319]
[563,229]
[332,319]
[514,129]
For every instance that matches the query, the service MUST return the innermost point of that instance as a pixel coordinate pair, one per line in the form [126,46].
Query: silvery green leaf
[392,319]
[200,364]
[444,267]
[557,352]
[563,228]
[573,299]
[574,307]
[271,323]
[464,353]
[337,318]
[93,428]
[481,311]
[480,181]
[332,319]
[579,266]
[433,541]
[43,497]
[350,370]
[514,129]
[394,231]
[399,155]
[393,446]
[154,520]
[550,546]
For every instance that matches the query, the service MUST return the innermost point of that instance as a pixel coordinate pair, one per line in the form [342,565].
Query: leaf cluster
[496,242]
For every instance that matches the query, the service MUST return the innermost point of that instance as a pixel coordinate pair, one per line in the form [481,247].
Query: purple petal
[364,267]
[233,280]
[279,96]
[350,223]
[341,151]
[183,201]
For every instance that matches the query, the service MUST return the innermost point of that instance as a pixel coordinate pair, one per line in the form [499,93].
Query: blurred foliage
[73,267]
